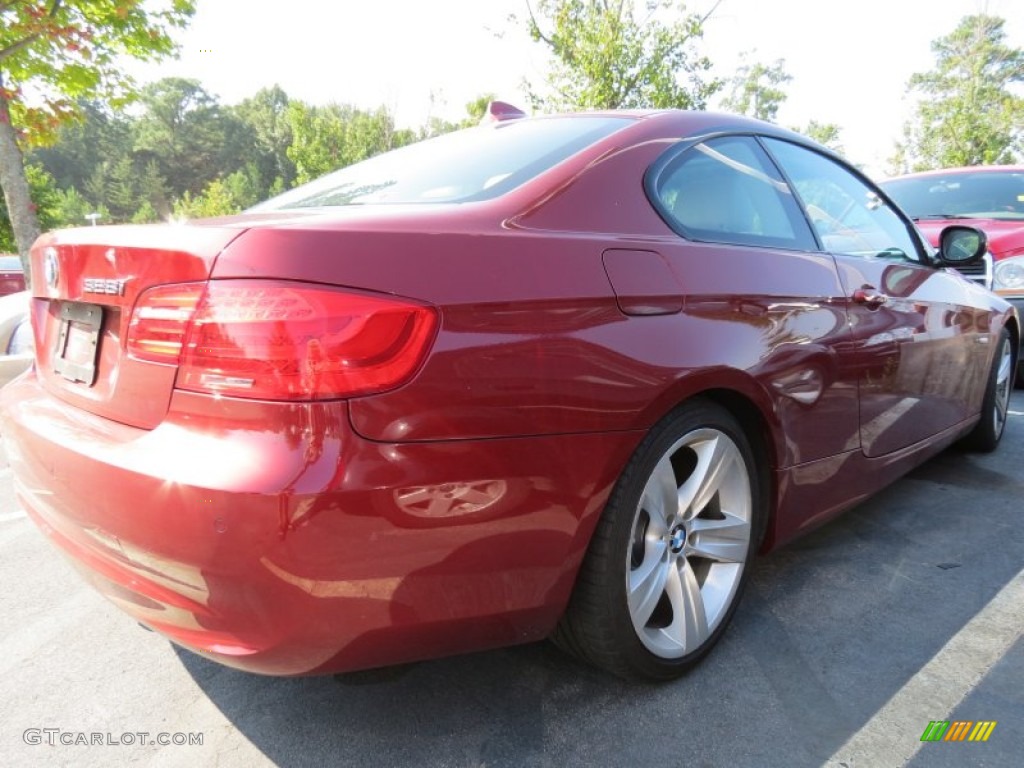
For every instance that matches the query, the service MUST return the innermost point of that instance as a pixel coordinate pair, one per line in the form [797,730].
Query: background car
[12,276]
[16,345]
[553,377]
[989,197]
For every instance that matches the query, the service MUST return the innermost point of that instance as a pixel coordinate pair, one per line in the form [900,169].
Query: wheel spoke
[647,584]
[689,627]
[475,496]
[715,457]
[660,498]
[1004,383]
[723,540]
[1002,407]
[1003,376]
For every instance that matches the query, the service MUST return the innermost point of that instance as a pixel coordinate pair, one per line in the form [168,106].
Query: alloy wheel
[1004,383]
[690,542]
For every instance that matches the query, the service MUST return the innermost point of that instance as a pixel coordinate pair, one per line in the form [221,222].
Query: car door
[921,347]
[760,295]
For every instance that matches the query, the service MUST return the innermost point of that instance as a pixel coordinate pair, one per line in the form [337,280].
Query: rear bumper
[272,538]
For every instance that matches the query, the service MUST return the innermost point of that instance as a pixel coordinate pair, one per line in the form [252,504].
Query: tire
[671,554]
[996,403]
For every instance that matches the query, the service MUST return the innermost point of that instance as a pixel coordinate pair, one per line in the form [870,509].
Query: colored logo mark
[958,730]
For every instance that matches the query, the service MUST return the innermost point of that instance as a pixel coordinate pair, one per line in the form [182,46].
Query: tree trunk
[15,185]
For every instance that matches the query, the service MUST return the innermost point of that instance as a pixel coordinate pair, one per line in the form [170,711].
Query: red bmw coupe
[560,376]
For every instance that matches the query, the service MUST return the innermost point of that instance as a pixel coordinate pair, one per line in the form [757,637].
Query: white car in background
[16,343]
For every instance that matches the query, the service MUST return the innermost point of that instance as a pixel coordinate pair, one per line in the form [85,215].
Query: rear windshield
[984,195]
[473,164]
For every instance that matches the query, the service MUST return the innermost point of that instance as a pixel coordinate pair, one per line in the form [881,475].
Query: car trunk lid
[85,284]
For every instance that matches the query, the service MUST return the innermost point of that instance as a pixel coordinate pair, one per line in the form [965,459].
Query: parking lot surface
[909,609]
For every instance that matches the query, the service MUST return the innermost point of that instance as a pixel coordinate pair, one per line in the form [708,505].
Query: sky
[850,61]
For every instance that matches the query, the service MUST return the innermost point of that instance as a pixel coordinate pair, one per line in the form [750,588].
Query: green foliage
[968,112]
[755,89]
[222,197]
[187,134]
[215,200]
[62,51]
[153,191]
[121,193]
[95,133]
[331,137]
[245,186]
[146,214]
[826,134]
[183,154]
[604,57]
[475,111]
[69,49]
[71,208]
[46,199]
[266,115]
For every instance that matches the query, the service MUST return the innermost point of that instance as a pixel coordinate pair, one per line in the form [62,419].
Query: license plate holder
[78,343]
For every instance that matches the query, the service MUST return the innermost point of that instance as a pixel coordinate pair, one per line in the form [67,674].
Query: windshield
[981,195]
[473,164]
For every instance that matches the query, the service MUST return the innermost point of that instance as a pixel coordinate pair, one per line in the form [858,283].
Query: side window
[727,191]
[848,215]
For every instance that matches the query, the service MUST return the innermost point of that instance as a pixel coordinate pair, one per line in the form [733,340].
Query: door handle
[870,296]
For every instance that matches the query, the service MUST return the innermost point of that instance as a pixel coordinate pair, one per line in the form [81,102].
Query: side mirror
[961,246]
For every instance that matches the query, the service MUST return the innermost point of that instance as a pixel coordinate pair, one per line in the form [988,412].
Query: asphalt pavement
[908,610]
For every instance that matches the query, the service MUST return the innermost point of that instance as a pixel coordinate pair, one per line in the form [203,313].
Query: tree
[246,186]
[47,206]
[333,136]
[755,89]
[266,115]
[826,134]
[215,200]
[121,188]
[146,214]
[153,192]
[187,134]
[71,208]
[96,135]
[66,50]
[967,113]
[604,57]
[475,109]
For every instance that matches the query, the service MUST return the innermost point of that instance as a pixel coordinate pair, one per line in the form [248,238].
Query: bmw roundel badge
[51,268]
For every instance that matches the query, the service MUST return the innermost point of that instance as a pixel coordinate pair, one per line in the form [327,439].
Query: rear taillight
[160,321]
[274,340]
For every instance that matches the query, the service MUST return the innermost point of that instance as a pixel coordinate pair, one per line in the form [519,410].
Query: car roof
[693,122]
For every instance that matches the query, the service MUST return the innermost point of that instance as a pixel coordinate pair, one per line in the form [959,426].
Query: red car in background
[12,276]
[989,197]
[561,376]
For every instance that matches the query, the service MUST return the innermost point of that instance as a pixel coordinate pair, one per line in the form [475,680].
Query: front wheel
[672,551]
[995,405]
